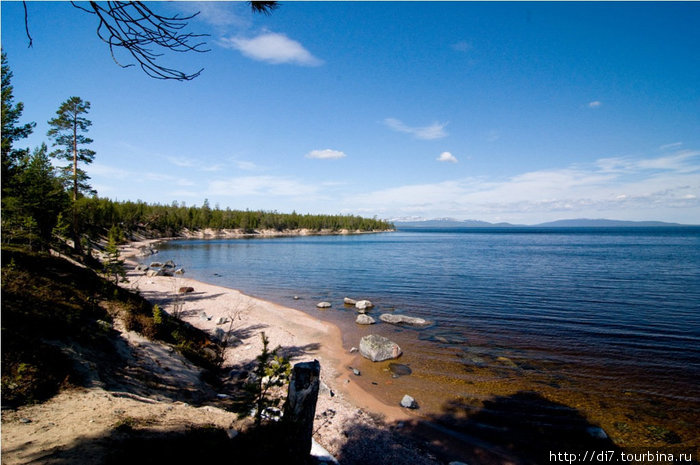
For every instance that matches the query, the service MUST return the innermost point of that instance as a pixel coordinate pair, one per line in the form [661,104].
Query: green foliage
[157,315]
[98,214]
[113,264]
[12,130]
[272,371]
[32,209]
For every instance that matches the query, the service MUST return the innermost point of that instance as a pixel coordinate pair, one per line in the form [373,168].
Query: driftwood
[300,409]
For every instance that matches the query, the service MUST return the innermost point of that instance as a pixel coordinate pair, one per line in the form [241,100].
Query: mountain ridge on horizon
[570,223]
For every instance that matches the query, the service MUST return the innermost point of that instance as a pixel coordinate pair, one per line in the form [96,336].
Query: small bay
[612,313]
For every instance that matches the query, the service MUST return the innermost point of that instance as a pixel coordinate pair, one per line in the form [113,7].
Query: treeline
[42,205]
[98,214]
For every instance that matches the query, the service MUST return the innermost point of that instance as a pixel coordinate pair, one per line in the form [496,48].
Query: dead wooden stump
[300,409]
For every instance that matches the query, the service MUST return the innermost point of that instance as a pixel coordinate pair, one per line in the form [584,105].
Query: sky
[517,112]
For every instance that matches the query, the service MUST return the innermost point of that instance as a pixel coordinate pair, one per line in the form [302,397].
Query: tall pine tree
[67,130]
[12,131]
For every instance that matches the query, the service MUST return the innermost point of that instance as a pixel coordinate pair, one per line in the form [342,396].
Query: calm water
[614,308]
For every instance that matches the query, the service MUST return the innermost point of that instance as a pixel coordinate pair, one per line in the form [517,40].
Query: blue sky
[519,112]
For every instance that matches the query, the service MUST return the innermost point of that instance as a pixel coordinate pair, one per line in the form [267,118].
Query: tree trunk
[300,409]
[76,234]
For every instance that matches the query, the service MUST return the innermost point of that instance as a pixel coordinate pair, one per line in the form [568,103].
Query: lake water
[592,316]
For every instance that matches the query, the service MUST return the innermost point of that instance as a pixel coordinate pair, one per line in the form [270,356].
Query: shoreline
[299,334]
[239,233]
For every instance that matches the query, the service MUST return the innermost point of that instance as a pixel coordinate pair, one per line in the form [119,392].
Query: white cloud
[663,188]
[272,48]
[109,172]
[447,157]
[217,13]
[673,145]
[184,162]
[680,161]
[433,131]
[326,154]
[261,186]
[595,104]
[246,165]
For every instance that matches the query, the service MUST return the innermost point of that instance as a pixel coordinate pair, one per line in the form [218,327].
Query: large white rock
[363,305]
[378,348]
[363,319]
[402,319]
[409,402]
[323,304]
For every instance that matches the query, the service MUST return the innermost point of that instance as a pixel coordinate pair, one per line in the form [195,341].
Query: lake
[607,319]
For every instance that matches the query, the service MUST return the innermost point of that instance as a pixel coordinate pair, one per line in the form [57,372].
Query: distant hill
[600,223]
[571,223]
[449,223]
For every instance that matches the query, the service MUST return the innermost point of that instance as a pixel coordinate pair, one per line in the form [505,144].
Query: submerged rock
[349,301]
[363,319]
[378,348]
[402,319]
[506,362]
[363,305]
[400,370]
[323,304]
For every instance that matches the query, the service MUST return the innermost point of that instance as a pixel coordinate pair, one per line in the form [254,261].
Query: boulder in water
[402,319]
[323,304]
[378,348]
[400,370]
[363,305]
[363,319]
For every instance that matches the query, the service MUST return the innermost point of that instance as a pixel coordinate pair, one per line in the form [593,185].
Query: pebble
[25,420]
[356,371]
[353,350]
[409,402]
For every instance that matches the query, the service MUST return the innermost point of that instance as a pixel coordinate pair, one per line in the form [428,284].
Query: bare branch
[26,24]
[136,28]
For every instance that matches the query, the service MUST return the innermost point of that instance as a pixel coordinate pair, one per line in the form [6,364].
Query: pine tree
[113,264]
[41,193]
[271,372]
[11,131]
[66,129]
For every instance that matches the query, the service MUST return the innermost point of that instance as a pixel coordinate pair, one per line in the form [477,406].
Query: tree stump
[300,409]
